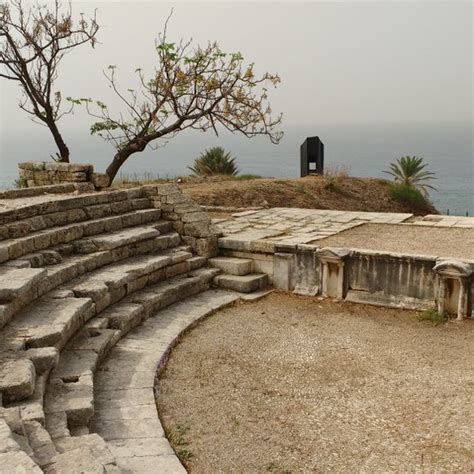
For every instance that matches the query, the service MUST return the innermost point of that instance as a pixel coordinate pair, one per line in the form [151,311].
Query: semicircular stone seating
[94,290]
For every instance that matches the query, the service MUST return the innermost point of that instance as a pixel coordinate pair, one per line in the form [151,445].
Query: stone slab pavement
[296,226]
[125,410]
[445,221]
[261,230]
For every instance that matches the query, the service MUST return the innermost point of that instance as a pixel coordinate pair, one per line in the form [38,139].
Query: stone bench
[77,274]
[20,286]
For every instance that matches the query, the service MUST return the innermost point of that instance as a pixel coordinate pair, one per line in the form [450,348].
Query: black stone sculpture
[312,156]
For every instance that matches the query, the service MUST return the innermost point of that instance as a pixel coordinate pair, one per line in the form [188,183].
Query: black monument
[312,156]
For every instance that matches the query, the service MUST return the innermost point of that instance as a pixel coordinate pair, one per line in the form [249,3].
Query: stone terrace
[261,230]
[78,272]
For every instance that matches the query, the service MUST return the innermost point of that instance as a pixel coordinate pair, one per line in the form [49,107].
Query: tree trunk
[58,139]
[119,159]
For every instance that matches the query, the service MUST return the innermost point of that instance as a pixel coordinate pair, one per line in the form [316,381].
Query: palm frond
[410,170]
[215,161]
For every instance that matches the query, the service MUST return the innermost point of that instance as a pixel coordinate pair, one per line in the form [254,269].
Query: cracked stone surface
[296,226]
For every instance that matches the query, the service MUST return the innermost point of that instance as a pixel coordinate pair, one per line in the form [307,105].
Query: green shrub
[431,314]
[215,161]
[410,171]
[407,194]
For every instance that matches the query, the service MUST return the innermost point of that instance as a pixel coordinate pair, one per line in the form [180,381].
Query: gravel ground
[414,239]
[292,384]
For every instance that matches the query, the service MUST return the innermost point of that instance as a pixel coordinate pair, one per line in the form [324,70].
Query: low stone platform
[379,258]
[263,229]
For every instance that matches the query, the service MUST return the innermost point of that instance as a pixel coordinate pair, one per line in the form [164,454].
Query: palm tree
[410,171]
[214,161]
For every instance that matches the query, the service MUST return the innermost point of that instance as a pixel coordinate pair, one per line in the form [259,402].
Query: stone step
[89,447]
[21,228]
[111,283]
[12,455]
[135,308]
[32,409]
[126,274]
[18,282]
[232,265]
[52,321]
[17,379]
[70,386]
[49,322]
[125,404]
[43,358]
[12,417]
[44,450]
[113,240]
[74,266]
[243,283]
[169,291]
[13,249]
[78,361]
[83,353]
[54,206]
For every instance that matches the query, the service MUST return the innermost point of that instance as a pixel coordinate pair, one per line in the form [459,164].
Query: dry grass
[335,190]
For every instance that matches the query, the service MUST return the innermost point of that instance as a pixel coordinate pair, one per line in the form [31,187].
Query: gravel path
[406,238]
[291,384]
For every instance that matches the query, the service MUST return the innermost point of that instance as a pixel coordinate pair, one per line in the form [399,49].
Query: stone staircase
[77,274]
[238,274]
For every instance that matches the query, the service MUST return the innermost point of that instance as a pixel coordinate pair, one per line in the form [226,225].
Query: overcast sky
[347,62]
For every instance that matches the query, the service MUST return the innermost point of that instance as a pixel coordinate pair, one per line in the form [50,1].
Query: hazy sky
[340,62]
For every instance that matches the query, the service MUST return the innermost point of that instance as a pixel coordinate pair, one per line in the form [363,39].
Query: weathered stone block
[234,266]
[32,165]
[284,271]
[243,283]
[165,189]
[17,379]
[194,217]
[177,198]
[198,229]
[206,247]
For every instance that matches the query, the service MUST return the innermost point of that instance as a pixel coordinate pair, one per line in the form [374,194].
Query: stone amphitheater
[78,272]
[96,287]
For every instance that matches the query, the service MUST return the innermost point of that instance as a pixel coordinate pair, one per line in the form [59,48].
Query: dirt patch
[312,192]
[291,384]
[413,239]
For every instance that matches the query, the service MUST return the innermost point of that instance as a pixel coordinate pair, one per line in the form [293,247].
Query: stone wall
[189,220]
[380,278]
[405,279]
[41,173]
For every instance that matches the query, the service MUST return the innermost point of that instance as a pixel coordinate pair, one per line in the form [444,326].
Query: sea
[364,150]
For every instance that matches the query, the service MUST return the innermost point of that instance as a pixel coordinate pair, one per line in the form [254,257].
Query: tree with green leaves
[410,171]
[33,42]
[191,88]
[215,161]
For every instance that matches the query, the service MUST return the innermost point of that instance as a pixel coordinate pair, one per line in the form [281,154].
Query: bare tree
[33,41]
[199,88]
